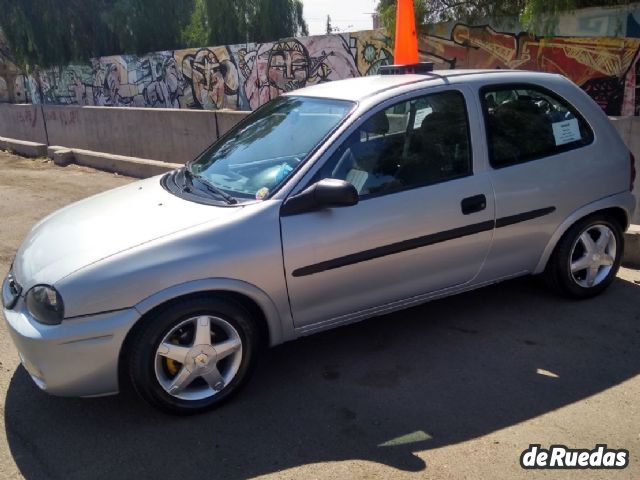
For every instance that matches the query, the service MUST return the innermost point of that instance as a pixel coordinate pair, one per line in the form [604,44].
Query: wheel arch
[619,207]
[249,296]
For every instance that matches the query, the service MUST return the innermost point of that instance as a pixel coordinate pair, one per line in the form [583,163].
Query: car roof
[357,89]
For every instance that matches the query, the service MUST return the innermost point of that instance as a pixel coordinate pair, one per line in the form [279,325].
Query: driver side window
[413,143]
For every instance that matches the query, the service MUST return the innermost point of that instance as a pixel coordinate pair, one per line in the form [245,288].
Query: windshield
[261,152]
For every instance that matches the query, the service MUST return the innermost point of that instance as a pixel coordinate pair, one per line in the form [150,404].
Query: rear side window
[526,122]
[414,143]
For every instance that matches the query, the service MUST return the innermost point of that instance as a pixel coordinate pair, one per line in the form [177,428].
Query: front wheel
[587,258]
[193,355]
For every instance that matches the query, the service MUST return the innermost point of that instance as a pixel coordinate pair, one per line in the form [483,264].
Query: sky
[347,15]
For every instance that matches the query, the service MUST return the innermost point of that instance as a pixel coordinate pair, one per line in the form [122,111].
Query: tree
[227,20]
[47,33]
[435,11]
[195,33]
[5,53]
[254,20]
[40,32]
[541,16]
[57,32]
[274,19]
[149,25]
[387,11]
[534,15]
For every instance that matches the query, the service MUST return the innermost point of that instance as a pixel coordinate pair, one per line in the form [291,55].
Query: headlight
[45,304]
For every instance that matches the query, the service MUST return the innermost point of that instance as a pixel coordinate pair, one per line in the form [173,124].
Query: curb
[62,156]
[24,148]
[130,166]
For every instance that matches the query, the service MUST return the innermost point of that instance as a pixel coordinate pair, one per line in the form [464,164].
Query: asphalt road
[457,388]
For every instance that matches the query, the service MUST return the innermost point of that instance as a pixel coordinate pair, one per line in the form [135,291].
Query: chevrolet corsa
[326,206]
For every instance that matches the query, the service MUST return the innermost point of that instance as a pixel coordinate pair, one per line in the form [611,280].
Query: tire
[203,380]
[564,273]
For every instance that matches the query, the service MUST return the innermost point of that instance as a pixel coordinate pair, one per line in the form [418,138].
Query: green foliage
[277,19]
[254,20]
[55,31]
[226,20]
[196,32]
[387,10]
[148,25]
[435,11]
[539,16]
[58,32]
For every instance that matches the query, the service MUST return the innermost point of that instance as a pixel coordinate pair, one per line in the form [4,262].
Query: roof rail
[414,68]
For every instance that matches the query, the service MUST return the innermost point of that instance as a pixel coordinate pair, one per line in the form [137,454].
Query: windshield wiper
[210,187]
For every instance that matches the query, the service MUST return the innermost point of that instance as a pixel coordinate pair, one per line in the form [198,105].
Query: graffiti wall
[605,67]
[243,77]
[240,77]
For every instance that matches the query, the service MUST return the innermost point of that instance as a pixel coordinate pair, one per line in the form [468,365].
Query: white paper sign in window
[566,131]
[420,116]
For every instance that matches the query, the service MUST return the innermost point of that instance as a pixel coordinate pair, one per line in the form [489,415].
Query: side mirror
[327,193]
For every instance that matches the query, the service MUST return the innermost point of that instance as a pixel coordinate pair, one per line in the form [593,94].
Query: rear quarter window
[526,122]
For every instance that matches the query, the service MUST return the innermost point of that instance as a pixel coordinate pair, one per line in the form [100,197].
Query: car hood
[103,225]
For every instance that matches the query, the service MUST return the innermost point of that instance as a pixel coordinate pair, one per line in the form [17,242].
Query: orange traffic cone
[406,51]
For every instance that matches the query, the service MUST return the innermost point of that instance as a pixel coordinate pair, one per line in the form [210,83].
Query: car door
[545,165]
[423,223]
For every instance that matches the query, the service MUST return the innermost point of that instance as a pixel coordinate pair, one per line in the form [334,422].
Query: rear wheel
[193,355]
[587,258]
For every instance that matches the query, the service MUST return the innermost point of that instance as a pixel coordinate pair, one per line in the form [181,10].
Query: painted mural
[243,77]
[240,77]
[604,67]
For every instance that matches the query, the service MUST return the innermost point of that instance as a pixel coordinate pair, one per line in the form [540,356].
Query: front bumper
[79,357]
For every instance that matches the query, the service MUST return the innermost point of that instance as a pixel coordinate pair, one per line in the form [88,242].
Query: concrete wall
[169,135]
[22,122]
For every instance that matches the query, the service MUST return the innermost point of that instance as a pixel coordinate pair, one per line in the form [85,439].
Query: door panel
[547,164]
[384,249]
[547,186]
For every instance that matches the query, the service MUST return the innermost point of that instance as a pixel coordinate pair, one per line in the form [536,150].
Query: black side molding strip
[419,242]
[523,217]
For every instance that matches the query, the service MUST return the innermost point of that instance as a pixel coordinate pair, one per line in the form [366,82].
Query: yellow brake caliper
[172,365]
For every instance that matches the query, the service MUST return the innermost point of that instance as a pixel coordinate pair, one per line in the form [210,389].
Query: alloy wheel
[593,255]
[198,357]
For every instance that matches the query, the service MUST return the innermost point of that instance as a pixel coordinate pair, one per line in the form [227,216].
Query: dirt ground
[454,389]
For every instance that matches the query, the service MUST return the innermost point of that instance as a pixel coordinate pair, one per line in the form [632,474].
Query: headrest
[378,124]
[523,103]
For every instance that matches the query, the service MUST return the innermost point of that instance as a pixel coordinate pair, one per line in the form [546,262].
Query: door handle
[474,204]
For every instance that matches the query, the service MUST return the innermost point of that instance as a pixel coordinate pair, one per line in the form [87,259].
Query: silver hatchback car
[326,206]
